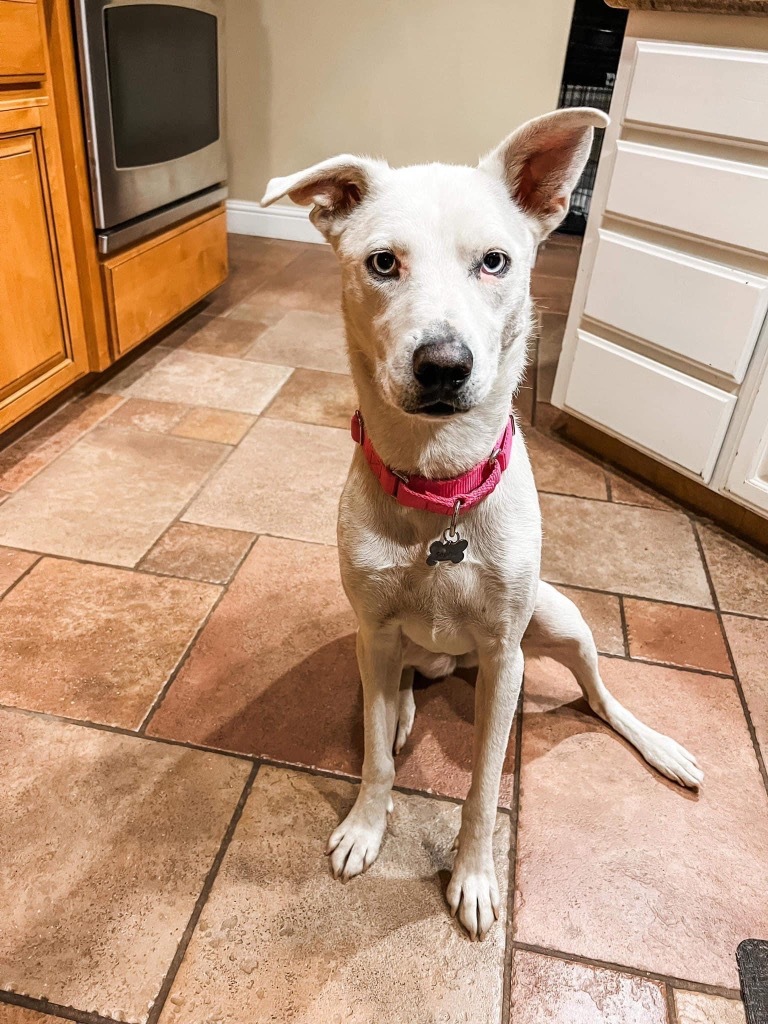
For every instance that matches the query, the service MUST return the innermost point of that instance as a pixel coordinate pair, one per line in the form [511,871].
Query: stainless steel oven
[152,74]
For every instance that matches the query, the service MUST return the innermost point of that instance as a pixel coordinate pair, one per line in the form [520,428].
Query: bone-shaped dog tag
[450,549]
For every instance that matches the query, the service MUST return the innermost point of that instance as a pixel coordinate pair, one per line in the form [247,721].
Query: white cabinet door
[748,473]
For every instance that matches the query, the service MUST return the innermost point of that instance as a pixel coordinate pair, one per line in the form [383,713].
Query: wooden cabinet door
[42,348]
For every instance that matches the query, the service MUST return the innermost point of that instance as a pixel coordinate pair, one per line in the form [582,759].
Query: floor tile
[622,866]
[620,548]
[106,841]
[748,640]
[627,492]
[314,396]
[219,336]
[555,260]
[107,644]
[212,381]
[218,425]
[158,417]
[438,755]
[550,293]
[676,634]
[13,564]
[283,479]
[698,1008]
[602,614]
[550,991]
[42,444]
[549,344]
[739,576]
[314,341]
[109,497]
[18,1015]
[311,282]
[263,256]
[198,552]
[559,469]
[133,367]
[241,283]
[274,673]
[279,939]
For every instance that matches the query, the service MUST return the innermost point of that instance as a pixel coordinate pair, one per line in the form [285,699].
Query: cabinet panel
[42,342]
[151,284]
[652,406]
[748,474]
[22,54]
[706,89]
[705,312]
[33,334]
[723,200]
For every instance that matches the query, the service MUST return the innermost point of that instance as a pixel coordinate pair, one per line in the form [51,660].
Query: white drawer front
[706,89]
[718,199]
[705,312]
[665,412]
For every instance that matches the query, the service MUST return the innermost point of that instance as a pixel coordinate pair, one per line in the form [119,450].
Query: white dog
[439,525]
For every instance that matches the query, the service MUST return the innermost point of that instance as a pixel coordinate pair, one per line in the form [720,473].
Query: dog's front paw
[473,894]
[355,844]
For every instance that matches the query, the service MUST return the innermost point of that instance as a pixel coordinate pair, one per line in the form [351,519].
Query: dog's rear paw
[671,759]
[405,715]
[473,896]
[355,844]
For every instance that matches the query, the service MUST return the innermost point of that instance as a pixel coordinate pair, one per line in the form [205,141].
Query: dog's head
[436,259]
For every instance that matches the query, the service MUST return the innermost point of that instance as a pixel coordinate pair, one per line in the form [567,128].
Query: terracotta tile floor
[180,717]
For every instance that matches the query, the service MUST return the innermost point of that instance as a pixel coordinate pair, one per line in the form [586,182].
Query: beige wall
[409,80]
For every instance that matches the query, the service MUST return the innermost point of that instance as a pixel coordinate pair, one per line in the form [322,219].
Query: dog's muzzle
[441,368]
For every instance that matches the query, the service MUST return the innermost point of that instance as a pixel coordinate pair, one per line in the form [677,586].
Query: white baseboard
[290,223]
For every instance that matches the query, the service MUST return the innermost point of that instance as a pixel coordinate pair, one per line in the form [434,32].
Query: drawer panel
[706,312]
[667,413]
[22,55]
[707,89]
[722,200]
[152,284]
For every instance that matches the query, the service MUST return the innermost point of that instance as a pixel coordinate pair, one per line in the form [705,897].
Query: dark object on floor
[752,958]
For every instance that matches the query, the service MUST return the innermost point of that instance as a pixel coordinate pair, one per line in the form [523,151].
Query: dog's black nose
[442,366]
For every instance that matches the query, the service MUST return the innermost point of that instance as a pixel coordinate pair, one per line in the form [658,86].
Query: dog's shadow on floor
[312,715]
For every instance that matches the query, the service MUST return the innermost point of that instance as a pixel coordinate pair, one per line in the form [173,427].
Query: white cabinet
[747,478]
[667,327]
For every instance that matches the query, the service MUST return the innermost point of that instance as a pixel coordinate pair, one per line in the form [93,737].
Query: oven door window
[162,62]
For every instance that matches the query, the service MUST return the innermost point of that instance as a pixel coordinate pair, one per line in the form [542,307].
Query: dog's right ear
[334,187]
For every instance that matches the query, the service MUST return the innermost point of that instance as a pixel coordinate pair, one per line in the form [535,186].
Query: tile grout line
[266,761]
[624,627]
[635,972]
[76,440]
[671,1008]
[210,878]
[161,695]
[736,679]
[506,1007]
[26,573]
[56,1010]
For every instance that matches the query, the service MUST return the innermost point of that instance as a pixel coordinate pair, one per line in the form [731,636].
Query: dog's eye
[383,263]
[495,262]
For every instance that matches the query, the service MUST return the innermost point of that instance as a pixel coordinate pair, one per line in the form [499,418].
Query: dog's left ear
[542,161]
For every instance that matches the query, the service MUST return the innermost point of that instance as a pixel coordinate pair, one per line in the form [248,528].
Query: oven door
[153,80]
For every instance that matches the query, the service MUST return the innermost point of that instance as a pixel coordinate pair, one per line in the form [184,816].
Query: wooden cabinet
[42,344]
[22,51]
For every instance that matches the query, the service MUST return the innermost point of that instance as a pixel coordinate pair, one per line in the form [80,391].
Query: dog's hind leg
[557,630]
[432,666]
[406,710]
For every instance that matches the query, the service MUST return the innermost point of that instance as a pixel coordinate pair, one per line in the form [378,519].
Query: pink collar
[439,496]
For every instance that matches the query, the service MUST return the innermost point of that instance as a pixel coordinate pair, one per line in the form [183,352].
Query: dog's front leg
[473,891]
[354,845]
